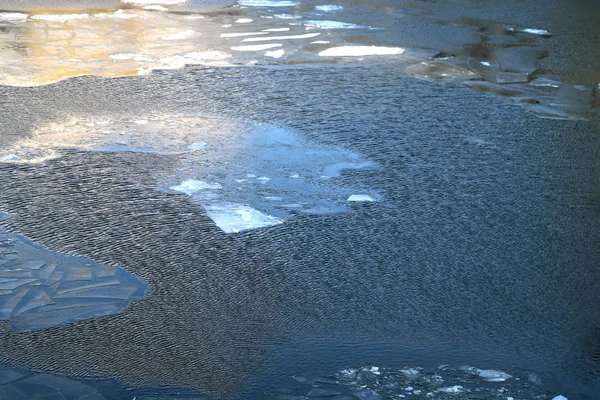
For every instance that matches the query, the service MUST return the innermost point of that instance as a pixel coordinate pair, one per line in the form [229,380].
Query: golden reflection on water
[45,49]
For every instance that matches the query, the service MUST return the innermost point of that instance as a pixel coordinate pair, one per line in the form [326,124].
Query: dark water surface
[483,249]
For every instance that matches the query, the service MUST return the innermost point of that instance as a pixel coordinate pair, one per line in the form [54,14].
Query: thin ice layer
[41,289]
[360,51]
[234,218]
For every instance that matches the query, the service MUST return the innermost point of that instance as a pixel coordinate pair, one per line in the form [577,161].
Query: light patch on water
[188,33]
[243,21]
[332,25]
[536,31]
[256,47]
[320,42]
[276,30]
[234,218]
[267,3]
[242,34]
[328,8]
[275,53]
[197,146]
[360,197]
[9,157]
[487,64]
[359,51]
[290,37]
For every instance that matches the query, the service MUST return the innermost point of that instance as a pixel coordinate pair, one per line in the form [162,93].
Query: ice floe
[40,289]
[328,8]
[243,20]
[491,375]
[360,51]
[234,218]
[536,31]
[276,30]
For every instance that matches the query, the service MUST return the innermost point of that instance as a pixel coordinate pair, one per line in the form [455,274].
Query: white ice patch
[267,3]
[234,217]
[559,397]
[320,42]
[188,33]
[242,34]
[487,64]
[491,375]
[8,16]
[332,25]
[411,373]
[275,53]
[155,8]
[256,47]
[276,30]
[358,51]
[328,8]
[59,17]
[536,31]
[192,186]
[291,37]
[197,146]
[164,2]
[360,197]
[243,21]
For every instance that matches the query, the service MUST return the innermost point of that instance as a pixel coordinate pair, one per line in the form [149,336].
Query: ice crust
[40,289]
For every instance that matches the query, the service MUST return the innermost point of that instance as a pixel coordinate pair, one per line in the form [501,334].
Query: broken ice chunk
[234,218]
[452,389]
[243,21]
[411,373]
[360,197]
[192,186]
[541,32]
[13,17]
[491,375]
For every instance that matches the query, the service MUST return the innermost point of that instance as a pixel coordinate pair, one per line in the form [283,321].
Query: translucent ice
[45,289]
[359,51]
[192,186]
[233,217]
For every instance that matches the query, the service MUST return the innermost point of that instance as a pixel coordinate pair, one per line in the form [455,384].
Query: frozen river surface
[264,202]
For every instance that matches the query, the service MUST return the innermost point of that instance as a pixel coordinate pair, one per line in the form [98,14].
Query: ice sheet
[36,300]
[192,186]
